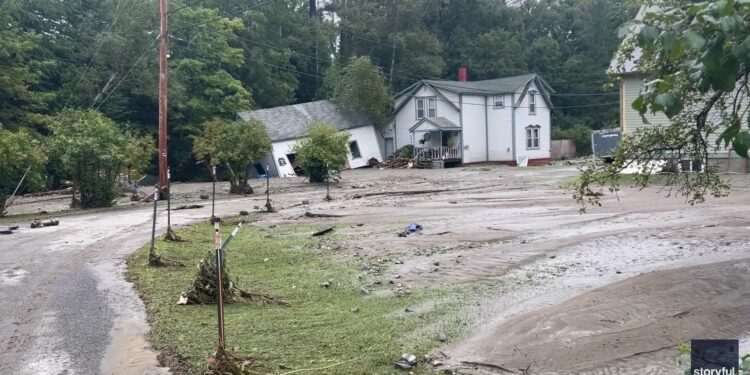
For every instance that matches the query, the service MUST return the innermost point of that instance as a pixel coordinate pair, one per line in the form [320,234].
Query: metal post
[213,195]
[268,187]
[169,199]
[163,96]
[220,284]
[152,252]
[328,183]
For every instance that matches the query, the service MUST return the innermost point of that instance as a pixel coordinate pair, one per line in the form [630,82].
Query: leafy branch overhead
[695,59]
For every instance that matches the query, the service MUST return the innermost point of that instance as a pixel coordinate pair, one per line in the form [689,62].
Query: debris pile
[397,163]
[411,229]
[204,289]
[44,223]
[222,362]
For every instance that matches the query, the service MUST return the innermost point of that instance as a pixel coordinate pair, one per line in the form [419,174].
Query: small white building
[505,120]
[289,123]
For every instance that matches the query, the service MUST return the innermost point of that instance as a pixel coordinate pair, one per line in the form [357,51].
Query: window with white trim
[532,103]
[420,108]
[498,101]
[426,107]
[354,148]
[431,107]
[532,136]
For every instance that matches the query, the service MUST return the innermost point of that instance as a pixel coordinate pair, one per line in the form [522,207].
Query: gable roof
[626,62]
[506,85]
[292,121]
[441,123]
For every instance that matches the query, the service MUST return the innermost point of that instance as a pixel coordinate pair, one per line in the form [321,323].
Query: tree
[697,60]
[19,72]
[92,151]
[323,153]
[21,152]
[236,144]
[360,89]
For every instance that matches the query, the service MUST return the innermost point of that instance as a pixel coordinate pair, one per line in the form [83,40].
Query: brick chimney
[463,72]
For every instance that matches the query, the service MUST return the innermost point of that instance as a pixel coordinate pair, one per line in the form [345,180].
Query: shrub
[237,144]
[93,151]
[323,153]
[21,151]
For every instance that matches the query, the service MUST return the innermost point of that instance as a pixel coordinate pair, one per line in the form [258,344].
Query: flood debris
[188,207]
[222,362]
[411,229]
[6,231]
[406,362]
[44,223]
[323,231]
[204,290]
[311,214]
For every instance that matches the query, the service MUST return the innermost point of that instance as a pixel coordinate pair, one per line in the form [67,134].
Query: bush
[323,153]
[579,133]
[236,144]
[406,152]
[91,150]
[20,151]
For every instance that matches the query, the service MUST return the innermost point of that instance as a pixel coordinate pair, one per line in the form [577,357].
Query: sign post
[152,252]
[213,194]
[219,284]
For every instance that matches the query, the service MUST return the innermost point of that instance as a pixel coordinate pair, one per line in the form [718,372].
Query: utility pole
[163,97]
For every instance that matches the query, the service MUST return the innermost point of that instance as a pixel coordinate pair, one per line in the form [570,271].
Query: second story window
[426,107]
[499,101]
[532,103]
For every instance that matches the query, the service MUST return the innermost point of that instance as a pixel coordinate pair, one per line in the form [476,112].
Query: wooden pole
[163,71]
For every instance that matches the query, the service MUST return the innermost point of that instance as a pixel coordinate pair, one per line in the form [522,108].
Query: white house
[504,120]
[289,123]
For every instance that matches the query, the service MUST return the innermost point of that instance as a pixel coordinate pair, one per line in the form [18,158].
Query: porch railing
[437,153]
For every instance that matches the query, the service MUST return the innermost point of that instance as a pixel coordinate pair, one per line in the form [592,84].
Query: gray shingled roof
[505,85]
[441,122]
[291,121]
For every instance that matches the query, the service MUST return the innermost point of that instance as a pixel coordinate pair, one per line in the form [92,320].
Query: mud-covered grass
[319,327]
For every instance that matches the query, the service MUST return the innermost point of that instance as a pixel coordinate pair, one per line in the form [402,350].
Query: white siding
[474,129]
[630,119]
[407,117]
[500,130]
[367,140]
[524,119]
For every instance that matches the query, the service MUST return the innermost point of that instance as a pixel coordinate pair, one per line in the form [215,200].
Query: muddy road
[613,291]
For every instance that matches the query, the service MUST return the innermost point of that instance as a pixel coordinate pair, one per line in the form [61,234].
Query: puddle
[12,277]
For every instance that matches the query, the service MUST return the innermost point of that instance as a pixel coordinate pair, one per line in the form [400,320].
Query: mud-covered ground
[612,291]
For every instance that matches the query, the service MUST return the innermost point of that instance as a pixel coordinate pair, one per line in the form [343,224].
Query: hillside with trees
[231,55]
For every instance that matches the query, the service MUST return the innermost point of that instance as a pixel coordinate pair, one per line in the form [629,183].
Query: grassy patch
[318,329]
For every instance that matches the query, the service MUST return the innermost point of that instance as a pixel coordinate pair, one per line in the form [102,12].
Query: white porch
[436,139]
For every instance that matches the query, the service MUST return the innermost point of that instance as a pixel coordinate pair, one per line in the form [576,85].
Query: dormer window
[426,107]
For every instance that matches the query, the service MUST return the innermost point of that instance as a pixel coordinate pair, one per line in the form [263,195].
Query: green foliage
[579,133]
[20,151]
[323,153]
[235,144]
[359,89]
[92,151]
[696,62]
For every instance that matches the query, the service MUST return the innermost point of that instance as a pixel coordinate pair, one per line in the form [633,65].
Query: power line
[118,11]
[438,99]
[222,17]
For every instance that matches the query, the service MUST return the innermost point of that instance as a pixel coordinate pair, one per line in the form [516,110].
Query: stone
[401,365]
[436,363]
[441,337]
[325,284]
[305,201]
[355,310]
[244,213]
[436,263]
[409,358]
[205,196]
[364,291]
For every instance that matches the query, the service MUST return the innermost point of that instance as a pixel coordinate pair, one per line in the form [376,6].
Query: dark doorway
[293,161]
